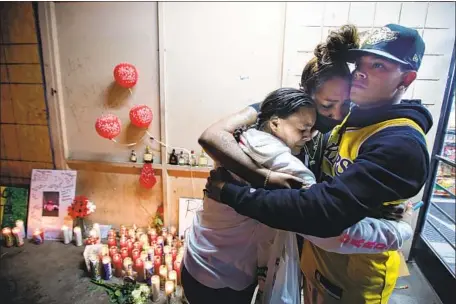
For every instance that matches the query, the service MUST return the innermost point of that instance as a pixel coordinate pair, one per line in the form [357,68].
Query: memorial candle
[139,268]
[155,287]
[18,236]
[157,264]
[135,254]
[77,236]
[65,233]
[117,262]
[112,242]
[20,225]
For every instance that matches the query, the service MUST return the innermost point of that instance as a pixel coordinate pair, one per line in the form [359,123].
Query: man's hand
[216,180]
[389,212]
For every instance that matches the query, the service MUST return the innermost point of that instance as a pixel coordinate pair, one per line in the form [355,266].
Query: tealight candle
[77,236]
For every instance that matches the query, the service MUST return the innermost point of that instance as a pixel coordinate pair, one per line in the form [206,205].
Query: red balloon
[147,178]
[141,116]
[126,75]
[108,126]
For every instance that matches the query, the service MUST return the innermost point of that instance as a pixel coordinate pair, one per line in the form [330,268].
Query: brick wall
[25,140]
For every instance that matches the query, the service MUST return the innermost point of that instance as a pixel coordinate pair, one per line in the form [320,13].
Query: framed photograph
[51,193]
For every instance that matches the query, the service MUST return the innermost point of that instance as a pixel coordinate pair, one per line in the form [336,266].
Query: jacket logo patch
[341,165]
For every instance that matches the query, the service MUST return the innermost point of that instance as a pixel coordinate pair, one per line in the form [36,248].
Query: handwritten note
[51,193]
[187,210]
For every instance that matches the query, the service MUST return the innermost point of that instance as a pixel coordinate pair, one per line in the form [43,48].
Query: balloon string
[179,148]
[126,145]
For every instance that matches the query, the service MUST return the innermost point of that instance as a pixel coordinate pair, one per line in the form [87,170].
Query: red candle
[111,233]
[158,250]
[157,263]
[137,245]
[113,250]
[174,253]
[135,254]
[112,242]
[124,252]
[139,268]
[117,262]
[123,242]
[129,246]
[177,268]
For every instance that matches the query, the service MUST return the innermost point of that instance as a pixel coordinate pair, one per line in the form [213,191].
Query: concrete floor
[53,273]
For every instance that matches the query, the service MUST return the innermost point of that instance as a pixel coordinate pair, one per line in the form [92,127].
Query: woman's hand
[279,180]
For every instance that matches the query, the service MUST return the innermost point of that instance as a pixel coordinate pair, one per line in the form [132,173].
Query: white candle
[169,287]
[66,235]
[20,225]
[155,287]
[78,236]
[96,226]
[172,276]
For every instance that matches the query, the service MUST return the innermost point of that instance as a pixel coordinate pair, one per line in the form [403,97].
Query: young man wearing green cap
[377,156]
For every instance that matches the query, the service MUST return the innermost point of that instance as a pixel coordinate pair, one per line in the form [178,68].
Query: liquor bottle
[173,158]
[193,160]
[203,161]
[181,160]
[133,157]
[148,157]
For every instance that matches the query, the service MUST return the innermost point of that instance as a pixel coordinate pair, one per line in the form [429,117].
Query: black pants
[197,293]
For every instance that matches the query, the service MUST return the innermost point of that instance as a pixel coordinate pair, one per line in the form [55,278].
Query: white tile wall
[336,13]
[305,13]
[413,14]
[430,92]
[387,12]
[362,13]
[439,41]
[434,67]
[441,15]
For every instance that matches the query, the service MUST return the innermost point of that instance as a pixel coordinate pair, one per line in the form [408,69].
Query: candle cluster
[144,255]
[14,236]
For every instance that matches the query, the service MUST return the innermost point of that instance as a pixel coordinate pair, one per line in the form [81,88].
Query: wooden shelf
[188,168]
[129,167]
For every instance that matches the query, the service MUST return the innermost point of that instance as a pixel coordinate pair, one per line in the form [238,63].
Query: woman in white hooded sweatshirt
[228,254]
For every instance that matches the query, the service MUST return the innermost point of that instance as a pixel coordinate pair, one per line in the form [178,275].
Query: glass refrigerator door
[439,227]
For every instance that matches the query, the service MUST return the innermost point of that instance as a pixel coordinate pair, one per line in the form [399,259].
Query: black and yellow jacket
[374,157]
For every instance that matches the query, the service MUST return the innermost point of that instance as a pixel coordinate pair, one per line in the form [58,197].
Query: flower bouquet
[79,209]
